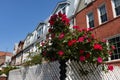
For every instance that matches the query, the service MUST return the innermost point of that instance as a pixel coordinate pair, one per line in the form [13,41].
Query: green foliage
[34,60]
[78,44]
[7,69]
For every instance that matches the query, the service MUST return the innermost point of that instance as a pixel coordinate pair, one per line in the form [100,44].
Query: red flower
[104,40]
[87,55]
[65,19]
[100,60]
[60,14]
[81,39]
[42,43]
[82,58]
[76,27]
[51,22]
[61,35]
[113,47]
[60,53]
[71,42]
[52,19]
[110,52]
[49,30]
[82,51]
[89,40]
[110,67]
[97,46]
[89,29]
[52,35]
[92,35]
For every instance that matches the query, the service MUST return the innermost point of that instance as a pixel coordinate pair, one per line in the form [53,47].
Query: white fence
[50,71]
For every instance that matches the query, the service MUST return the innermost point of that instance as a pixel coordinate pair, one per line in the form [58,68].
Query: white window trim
[88,20]
[113,9]
[109,58]
[99,19]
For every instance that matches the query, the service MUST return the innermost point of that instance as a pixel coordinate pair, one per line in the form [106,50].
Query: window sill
[104,23]
[113,61]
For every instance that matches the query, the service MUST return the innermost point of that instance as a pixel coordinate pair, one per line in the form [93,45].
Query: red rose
[82,51]
[52,35]
[51,22]
[49,30]
[61,35]
[113,47]
[110,67]
[92,35]
[71,42]
[60,53]
[80,39]
[60,14]
[76,27]
[100,60]
[82,58]
[97,46]
[87,55]
[65,19]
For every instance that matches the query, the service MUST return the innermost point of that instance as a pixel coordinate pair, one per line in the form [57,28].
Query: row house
[16,59]
[103,16]
[67,7]
[5,59]
[23,49]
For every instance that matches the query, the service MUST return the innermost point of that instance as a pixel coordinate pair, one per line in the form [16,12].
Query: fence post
[62,69]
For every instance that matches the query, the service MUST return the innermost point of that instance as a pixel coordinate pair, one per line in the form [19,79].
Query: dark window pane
[112,57]
[91,24]
[118,50]
[117,9]
[116,56]
[115,51]
[104,18]
[117,39]
[118,44]
[91,20]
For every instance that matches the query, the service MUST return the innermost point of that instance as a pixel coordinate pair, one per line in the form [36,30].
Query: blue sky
[19,17]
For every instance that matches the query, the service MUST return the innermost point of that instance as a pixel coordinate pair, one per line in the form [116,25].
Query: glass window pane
[117,39]
[91,19]
[116,56]
[103,14]
[117,6]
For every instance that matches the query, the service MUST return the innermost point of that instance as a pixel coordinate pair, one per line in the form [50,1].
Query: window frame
[87,16]
[115,56]
[99,14]
[113,9]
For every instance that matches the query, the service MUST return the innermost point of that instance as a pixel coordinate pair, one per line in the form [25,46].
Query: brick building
[104,17]
[5,58]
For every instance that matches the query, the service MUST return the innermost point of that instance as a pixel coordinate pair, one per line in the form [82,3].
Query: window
[102,14]
[40,32]
[62,10]
[90,20]
[116,7]
[116,42]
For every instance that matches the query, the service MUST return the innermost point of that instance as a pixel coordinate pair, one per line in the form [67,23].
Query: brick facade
[102,31]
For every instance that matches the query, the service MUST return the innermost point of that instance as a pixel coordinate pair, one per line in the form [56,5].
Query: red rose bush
[77,44]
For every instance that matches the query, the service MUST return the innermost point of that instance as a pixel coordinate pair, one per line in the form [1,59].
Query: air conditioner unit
[87,2]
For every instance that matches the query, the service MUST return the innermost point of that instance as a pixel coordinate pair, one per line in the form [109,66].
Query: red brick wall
[106,30]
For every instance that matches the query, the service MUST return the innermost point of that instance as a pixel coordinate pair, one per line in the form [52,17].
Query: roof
[60,4]
[2,53]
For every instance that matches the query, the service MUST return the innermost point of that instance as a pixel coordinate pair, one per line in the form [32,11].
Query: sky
[20,17]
